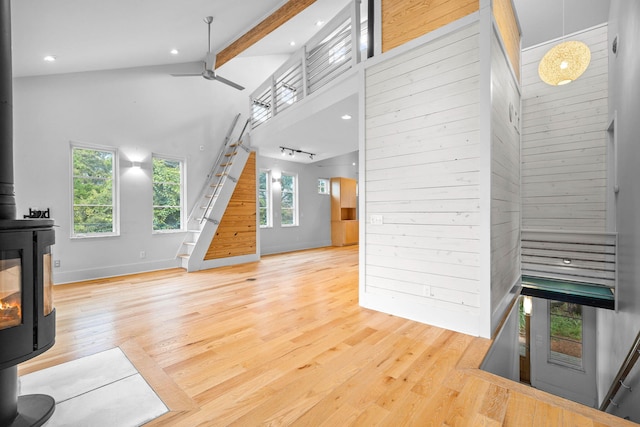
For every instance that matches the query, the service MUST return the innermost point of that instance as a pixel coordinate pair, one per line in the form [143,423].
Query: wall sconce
[276,180]
[292,152]
[527,305]
[135,165]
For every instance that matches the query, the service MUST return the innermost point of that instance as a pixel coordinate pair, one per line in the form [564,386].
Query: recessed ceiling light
[49,58]
[346,117]
[319,23]
[174,52]
[292,43]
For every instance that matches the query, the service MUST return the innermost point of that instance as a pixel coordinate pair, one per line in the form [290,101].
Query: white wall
[505,182]
[140,111]
[422,153]
[616,331]
[503,358]
[314,229]
[564,143]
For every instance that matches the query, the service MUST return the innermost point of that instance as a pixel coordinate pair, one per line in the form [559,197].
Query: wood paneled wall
[505,177]
[564,143]
[508,27]
[405,20]
[236,234]
[422,177]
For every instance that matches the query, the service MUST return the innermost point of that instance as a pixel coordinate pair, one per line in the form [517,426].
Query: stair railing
[330,53]
[625,369]
[223,173]
[211,173]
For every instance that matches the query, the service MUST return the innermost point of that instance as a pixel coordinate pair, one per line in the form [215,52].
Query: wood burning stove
[27,317]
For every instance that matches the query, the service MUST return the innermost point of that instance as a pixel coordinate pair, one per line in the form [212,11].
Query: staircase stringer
[214,199]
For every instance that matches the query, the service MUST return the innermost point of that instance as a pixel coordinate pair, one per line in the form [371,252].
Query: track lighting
[292,152]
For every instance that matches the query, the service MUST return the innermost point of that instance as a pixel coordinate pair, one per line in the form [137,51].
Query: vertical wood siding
[405,20]
[509,31]
[564,143]
[505,177]
[422,175]
[236,234]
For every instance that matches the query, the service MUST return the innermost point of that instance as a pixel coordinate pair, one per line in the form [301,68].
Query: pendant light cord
[563,21]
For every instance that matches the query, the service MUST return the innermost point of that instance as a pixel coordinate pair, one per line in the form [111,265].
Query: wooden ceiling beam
[270,23]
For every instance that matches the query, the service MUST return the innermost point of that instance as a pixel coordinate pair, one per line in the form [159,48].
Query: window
[565,333]
[323,186]
[289,200]
[94,192]
[167,194]
[264,198]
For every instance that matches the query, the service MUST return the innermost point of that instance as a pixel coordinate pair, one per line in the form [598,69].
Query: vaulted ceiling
[87,35]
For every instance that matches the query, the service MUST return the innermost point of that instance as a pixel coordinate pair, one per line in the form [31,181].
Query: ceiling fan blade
[188,75]
[228,82]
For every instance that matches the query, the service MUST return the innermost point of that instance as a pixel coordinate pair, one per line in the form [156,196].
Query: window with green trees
[264,199]
[167,194]
[289,200]
[565,333]
[94,192]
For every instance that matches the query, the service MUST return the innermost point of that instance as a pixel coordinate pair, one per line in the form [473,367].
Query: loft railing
[625,370]
[334,50]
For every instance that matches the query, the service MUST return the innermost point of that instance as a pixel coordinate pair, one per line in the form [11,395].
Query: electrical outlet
[376,220]
[143,254]
[56,263]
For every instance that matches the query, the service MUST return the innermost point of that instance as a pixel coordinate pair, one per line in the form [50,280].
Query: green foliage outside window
[93,191]
[288,200]
[565,324]
[263,199]
[167,197]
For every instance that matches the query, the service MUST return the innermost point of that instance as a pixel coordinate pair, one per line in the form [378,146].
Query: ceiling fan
[209,63]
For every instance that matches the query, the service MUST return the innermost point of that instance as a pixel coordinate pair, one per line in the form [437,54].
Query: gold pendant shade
[564,63]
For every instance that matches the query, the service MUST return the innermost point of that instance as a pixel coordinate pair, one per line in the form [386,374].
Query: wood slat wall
[422,174]
[508,27]
[405,20]
[236,234]
[564,143]
[505,177]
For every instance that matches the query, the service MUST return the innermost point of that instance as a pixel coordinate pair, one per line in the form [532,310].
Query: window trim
[115,191]
[269,198]
[296,221]
[183,193]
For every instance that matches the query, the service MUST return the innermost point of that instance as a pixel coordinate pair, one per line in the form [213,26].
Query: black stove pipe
[7,197]
[31,410]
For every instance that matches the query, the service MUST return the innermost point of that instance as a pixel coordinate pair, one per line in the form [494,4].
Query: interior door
[555,367]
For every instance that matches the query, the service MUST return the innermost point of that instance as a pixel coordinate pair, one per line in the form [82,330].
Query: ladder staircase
[213,199]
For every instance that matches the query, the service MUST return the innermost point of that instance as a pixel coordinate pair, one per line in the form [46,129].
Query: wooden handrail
[625,369]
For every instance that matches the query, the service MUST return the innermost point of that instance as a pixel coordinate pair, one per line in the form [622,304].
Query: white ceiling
[106,34]
[541,20]
[89,35]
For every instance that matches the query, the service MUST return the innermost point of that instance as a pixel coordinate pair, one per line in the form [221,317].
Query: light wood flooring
[283,341]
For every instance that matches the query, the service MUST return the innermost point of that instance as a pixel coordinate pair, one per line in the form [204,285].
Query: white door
[563,350]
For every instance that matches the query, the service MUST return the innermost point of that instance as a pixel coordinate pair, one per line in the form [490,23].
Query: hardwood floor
[284,342]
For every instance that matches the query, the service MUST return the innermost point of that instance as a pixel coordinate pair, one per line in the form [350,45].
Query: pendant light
[564,62]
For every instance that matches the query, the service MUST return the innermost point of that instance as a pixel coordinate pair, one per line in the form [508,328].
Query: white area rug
[103,389]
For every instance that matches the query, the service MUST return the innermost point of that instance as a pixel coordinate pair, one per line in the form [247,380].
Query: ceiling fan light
[564,63]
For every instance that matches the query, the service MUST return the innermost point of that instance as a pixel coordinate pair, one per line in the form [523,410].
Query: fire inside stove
[10,289]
